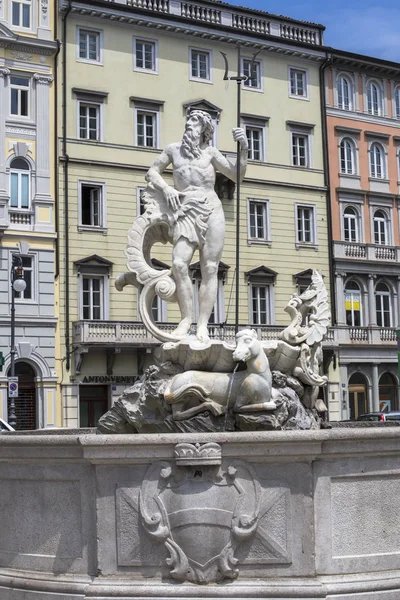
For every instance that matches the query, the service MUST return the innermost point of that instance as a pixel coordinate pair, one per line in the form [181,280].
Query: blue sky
[361,26]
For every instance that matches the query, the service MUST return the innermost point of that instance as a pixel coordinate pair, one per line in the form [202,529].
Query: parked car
[380,416]
[4,426]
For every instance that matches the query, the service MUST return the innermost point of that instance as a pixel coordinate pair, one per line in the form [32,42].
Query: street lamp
[18,284]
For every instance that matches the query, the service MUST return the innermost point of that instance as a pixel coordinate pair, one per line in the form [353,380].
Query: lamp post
[18,284]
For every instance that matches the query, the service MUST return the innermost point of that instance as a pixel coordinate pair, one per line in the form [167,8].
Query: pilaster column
[371,300]
[375,388]
[340,300]
[43,117]
[4,103]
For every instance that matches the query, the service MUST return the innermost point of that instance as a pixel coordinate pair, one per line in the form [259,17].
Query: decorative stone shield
[201,513]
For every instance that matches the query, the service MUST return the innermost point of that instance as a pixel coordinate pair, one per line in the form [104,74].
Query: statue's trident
[239,78]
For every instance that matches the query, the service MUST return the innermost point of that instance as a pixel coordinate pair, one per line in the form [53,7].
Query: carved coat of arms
[201,513]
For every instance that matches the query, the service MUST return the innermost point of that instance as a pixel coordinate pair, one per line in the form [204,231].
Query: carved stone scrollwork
[43,79]
[201,515]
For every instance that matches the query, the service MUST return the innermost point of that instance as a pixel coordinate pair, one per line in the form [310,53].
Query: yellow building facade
[130,73]
[27,207]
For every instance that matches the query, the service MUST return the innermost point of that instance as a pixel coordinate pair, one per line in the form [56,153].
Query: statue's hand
[239,135]
[172,197]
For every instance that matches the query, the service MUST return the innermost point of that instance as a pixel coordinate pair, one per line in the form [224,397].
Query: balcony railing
[227,16]
[103,333]
[367,252]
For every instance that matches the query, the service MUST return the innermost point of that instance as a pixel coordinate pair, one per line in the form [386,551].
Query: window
[347,157]
[19,184]
[92,298]
[145,55]
[19,87]
[377,161]
[383,305]
[254,78]
[21,13]
[89,121]
[305,225]
[298,84]
[381,228]
[374,99]
[200,64]
[27,294]
[350,222]
[146,129]
[397,103]
[261,304]
[258,220]
[89,45]
[344,93]
[92,204]
[255,141]
[353,304]
[300,150]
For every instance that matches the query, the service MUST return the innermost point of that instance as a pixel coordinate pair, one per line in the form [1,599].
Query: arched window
[347,157]
[381,233]
[383,305]
[350,224]
[374,99]
[377,160]
[387,393]
[353,304]
[397,102]
[19,184]
[344,93]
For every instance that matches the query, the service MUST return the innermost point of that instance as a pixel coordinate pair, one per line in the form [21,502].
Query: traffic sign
[13,387]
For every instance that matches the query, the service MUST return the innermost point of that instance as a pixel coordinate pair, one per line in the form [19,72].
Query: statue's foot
[183,329]
[202,334]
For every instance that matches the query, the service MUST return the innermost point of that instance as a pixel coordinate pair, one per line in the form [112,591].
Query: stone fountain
[211,477]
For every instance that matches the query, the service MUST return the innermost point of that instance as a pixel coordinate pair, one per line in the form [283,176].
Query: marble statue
[197,384]
[190,216]
[250,390]
[250,385]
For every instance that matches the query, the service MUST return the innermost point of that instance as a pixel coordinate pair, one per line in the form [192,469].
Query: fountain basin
[325,508]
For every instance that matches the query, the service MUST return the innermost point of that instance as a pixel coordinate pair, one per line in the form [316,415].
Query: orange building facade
[362,97]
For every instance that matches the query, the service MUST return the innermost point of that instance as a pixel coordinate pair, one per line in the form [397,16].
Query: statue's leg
[210,255]
[182,255]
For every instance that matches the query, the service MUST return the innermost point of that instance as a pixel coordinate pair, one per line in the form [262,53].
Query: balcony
[364,336]
[120,333]
[241,20]
[366,252]
[130,334]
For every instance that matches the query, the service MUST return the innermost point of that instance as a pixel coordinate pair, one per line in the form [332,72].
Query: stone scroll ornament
[201,513]
[154,226]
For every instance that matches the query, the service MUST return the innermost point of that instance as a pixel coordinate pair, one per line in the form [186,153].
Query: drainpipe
[325,152]
[66,161]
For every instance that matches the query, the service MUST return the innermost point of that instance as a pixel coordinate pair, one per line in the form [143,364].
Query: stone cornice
[176,24]
[23,44]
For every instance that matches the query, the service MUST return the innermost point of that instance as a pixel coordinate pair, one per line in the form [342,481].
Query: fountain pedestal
[302,514]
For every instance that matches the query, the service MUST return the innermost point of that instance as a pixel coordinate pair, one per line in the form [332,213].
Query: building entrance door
[93,403]
[358,401]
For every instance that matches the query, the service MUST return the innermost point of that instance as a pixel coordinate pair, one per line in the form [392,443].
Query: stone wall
[271,515]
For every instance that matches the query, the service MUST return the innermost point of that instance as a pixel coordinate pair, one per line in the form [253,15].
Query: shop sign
[116,379]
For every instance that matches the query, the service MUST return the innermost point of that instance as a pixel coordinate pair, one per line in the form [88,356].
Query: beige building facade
[131,73]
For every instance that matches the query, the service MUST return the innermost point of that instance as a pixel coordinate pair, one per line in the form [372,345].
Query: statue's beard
[190,147]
